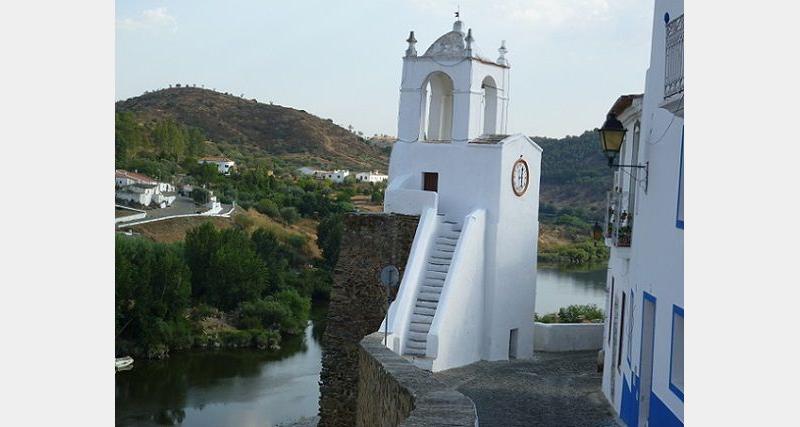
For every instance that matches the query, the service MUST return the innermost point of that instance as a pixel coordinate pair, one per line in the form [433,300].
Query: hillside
[244,129]
[575,175]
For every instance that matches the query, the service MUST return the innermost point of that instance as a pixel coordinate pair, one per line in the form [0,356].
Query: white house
[469,285]
[137,193]
[337,176]
[141,189]
[224,164]
[124,178]
[643,343]
[305,170]
[373,176]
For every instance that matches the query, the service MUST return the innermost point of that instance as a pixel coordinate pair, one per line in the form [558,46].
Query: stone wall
[567,336]
[394,392]
[358,305]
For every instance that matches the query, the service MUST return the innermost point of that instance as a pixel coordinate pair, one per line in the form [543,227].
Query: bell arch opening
[489,100]
[437,111]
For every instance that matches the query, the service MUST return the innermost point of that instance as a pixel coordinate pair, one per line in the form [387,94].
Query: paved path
[552,389]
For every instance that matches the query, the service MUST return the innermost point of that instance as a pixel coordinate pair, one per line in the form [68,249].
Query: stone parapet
[394,392]
[358,305]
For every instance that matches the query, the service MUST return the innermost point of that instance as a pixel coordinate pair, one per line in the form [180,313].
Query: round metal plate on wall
[390,276]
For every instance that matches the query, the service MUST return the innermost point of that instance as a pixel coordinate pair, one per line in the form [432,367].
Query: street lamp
[611,136]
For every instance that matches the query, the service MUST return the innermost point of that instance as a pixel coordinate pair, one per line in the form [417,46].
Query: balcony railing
[619,222]
[673,74]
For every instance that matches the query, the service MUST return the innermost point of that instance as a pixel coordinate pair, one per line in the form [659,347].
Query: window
[676,357]
[630,330]
[621,329]
[611,311]
[430,181]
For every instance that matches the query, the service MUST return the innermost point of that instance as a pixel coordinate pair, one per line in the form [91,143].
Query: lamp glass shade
[611,135]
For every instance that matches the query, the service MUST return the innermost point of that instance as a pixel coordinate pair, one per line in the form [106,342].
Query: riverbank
[218,386]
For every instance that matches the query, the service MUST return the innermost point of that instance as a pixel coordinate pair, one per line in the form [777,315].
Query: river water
[557,288]
[238,387]
[255,388]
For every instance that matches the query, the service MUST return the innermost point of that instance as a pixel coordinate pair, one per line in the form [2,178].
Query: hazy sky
[342,60]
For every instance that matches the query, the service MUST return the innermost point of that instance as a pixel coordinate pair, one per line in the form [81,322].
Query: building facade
[372,176]
[643,343]
[469,285]
[224,164]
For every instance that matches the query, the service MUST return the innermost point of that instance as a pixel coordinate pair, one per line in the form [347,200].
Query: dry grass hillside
[255,129]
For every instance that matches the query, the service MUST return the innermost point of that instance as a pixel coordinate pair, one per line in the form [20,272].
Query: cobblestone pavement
[552,389]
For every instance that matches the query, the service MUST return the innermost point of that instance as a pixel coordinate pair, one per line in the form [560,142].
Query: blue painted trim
[678,392]
[651,298]
[661,415]
[678,221]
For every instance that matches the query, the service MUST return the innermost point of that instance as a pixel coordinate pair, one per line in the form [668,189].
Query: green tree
[329,238]
[200,195]
[289,214]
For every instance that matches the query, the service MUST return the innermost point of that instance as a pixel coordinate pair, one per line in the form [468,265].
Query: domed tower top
[451,93]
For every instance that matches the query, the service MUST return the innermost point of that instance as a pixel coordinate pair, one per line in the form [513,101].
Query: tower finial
[502,58]
[469,41]
[411,51]
[458,25]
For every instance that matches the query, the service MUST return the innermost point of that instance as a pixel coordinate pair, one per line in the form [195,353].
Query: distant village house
[133,187]
[224,164]
[373,176]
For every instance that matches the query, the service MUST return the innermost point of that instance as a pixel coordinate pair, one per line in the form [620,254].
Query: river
[255,388]
[238,387]
[556,288]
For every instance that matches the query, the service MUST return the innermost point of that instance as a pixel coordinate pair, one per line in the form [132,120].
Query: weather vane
[458,11]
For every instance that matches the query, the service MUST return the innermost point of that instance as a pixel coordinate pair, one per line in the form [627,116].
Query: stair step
[434,283]
[414,352]
[419,318]
[438,280]
[428,296]
[427,304]
[418,336]
[444,248]
[435,275]
[425,311]
[452,235]
[440,241]
[419,327]
[431,289]
[438,268]
[416,345]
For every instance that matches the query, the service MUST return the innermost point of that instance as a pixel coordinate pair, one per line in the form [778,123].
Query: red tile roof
[121,173]
[216,159]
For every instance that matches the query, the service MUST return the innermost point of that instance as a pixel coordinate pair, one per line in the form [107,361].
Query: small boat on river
[124,363]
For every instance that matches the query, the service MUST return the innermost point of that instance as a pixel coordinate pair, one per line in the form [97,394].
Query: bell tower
[451,94]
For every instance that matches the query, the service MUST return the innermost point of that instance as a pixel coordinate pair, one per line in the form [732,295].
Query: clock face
[519,177]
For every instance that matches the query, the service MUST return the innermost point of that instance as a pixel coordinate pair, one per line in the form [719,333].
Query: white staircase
[436,268]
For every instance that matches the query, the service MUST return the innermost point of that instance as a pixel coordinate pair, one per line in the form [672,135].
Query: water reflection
[225,387]
[559,288]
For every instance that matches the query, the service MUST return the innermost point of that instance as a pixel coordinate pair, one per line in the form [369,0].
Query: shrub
[269,208]
[235,338]
[266,340]
[289,214]
[200,196]
[587,313]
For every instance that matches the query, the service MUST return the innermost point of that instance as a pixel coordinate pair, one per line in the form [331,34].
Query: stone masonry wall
[394,392]
[358,305]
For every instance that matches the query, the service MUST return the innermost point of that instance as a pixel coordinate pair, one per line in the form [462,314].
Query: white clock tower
[468,289]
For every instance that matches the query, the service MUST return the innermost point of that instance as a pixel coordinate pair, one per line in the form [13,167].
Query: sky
[570,59]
